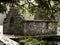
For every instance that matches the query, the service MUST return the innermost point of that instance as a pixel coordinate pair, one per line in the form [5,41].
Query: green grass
[33,41]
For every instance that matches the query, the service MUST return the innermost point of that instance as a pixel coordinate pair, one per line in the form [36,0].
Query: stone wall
[14,24]
[39,27]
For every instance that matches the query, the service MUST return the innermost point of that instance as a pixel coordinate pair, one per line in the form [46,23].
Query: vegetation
[32,41]
[42,9]
[5,3]
[59,24]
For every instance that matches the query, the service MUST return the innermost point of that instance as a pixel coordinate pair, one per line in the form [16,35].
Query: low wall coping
[56,21]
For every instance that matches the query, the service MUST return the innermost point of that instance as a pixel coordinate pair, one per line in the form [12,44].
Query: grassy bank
[33,41]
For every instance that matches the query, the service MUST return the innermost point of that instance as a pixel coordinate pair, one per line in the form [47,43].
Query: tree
[4,3]
[49,8]
[42,9]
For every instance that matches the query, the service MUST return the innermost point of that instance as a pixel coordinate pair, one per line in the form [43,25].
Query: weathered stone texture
[35,27]
[14,23]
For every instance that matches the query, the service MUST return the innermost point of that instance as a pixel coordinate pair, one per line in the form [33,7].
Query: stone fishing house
[14,24]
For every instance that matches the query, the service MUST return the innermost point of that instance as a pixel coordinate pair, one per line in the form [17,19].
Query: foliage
[5,3]
[33,41]
[48,10]
[41,9]
[59,24]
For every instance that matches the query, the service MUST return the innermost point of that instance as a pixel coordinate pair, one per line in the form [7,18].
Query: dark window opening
[11,21]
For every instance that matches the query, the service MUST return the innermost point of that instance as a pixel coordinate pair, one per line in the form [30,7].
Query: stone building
[14,23]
